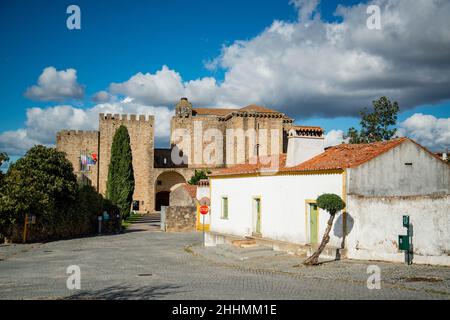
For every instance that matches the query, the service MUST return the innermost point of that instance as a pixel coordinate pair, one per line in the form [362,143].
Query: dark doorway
[162,199]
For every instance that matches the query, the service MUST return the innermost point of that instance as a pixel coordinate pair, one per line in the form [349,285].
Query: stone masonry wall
[242,152]
[181,218]
[141,131]
[74,143]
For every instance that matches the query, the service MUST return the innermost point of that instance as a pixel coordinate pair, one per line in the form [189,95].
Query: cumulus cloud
[431,132]
[16,142]
[102,96]
[42,124]
[304,68]
[54,85]
[310,67]
[333,138]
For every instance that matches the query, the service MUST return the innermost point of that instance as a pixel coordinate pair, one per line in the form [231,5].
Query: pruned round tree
[120,184]
[332,203]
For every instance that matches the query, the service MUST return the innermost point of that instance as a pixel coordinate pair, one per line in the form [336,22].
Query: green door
[313,230]
[257,208]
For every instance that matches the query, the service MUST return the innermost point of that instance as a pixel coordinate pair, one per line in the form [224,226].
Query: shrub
[332,203]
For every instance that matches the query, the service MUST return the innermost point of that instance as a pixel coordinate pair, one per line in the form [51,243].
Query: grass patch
[130,220]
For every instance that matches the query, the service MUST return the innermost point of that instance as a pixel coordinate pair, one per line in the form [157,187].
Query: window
[224,214]
[159,182]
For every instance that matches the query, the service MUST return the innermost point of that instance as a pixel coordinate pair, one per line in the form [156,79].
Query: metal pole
[24,237]
[99,225]
[204,244]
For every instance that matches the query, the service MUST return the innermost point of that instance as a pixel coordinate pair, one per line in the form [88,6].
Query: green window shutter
[225,208]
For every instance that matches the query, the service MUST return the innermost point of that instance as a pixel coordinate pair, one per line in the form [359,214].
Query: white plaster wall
[387,175]
[202,191]
[377,222]
[301,149]
[282,205]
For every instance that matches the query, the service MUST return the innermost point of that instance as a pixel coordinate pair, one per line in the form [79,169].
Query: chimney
[304,143]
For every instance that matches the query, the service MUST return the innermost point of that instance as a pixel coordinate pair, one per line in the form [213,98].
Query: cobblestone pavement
[157,265]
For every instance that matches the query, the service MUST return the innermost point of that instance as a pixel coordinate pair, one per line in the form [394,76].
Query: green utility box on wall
[403,242]
[406,221]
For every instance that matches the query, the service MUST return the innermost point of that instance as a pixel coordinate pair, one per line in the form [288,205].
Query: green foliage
[3,157]
[199,175]
[330,202]
[378,125]
[120,184]
[41,183]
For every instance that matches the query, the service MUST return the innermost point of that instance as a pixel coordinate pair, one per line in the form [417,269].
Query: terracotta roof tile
[307,128]
[212,111]
[226,111]
[256,108]
[346,156]
[338,157]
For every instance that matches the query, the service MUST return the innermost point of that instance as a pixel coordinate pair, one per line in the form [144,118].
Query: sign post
[100,218]
[404,241]
[25,225]
[204,209]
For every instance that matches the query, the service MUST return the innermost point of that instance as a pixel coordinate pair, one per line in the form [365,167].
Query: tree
[332,203]
[378,125]
[120,184]
[3,158]
[41,183]
[199,175]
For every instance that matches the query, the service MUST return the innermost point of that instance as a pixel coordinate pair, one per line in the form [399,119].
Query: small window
[159,182]
[224,214]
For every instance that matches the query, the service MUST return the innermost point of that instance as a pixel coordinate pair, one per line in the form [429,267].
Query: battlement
[126,117]
[85,133]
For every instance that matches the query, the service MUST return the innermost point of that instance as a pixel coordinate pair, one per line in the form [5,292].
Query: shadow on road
[127,292]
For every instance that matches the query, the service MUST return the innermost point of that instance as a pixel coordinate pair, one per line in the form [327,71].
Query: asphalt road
[155,265]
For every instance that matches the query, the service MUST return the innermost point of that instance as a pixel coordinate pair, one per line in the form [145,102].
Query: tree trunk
[314,259]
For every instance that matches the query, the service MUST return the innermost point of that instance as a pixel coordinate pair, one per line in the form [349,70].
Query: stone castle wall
[74,143]
[242,151]
[197,144]
[141,131]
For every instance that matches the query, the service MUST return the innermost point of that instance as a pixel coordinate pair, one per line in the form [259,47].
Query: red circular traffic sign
[204,209]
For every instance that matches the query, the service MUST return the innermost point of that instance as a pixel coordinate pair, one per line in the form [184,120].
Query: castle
[193,130]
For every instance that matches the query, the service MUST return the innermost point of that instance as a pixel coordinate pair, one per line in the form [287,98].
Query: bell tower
[183,109]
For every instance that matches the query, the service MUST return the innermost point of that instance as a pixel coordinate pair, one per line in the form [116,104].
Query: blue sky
[119,39]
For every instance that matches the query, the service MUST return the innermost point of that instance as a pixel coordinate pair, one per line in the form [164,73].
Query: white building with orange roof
[380,182]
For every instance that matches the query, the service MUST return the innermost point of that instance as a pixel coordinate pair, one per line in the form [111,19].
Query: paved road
[156,265]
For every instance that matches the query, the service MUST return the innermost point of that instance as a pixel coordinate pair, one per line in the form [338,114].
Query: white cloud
[162,88]
[310,67]
[333,138]
[429,131]
[54,85]
[304,68]
[16,142]
[43,123]
[102,96]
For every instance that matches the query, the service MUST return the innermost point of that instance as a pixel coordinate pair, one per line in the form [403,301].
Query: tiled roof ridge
[335,158]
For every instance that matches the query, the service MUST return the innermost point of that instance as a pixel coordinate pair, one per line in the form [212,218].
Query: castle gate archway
[163,183]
